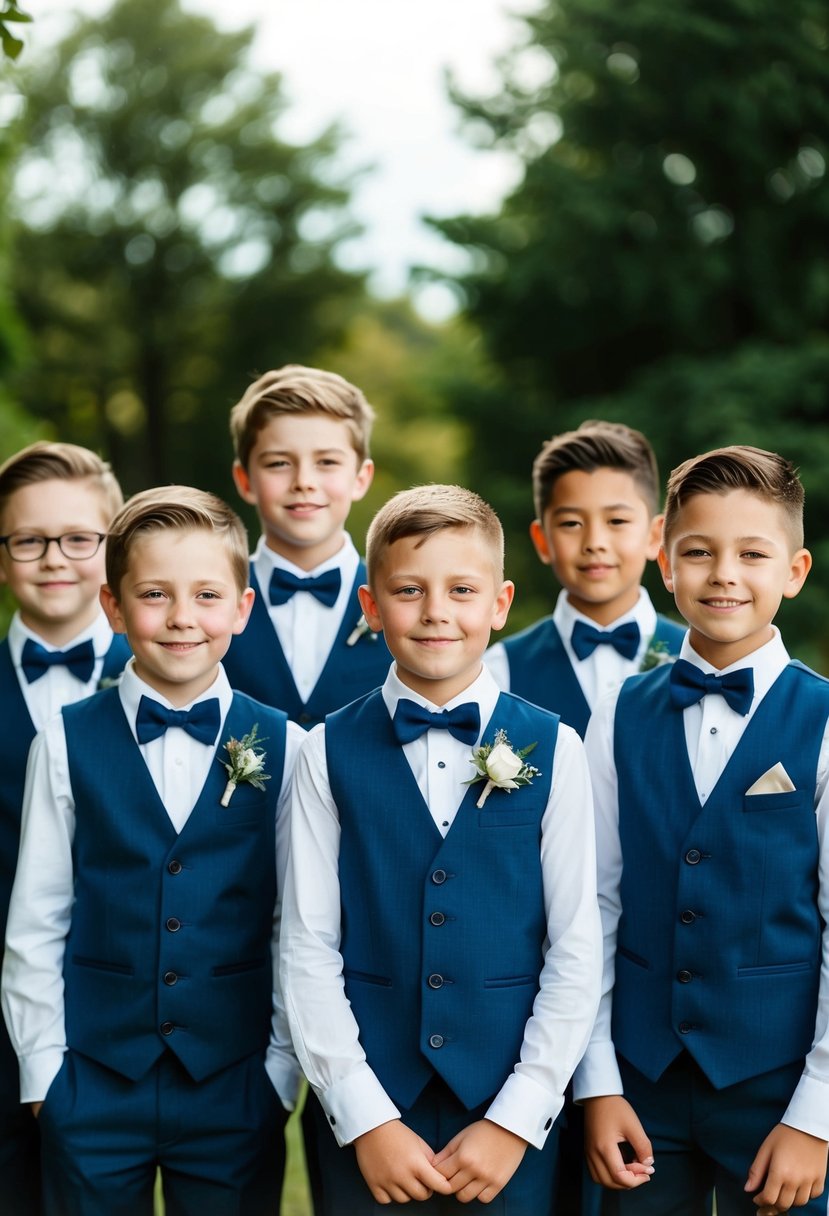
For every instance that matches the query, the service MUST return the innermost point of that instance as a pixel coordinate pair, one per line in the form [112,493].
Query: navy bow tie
[201,722]
[689,685]
[36,660]
[412,720]
[624,638]
[325,587]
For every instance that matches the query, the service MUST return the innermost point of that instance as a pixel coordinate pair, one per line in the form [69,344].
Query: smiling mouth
[434,641]
[304,508]
[723,603]
[179,647]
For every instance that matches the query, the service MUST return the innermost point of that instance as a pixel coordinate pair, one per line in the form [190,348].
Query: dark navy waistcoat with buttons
[719,942]
[256,664]
[442,939]
[540,669]
[170,942]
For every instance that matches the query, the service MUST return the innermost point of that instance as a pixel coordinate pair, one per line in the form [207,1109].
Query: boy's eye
[152,595]
[276,464]
[617,522]
[209,595]
[752,553]
[407,592]
[462,589]
[696,553]
[569,523]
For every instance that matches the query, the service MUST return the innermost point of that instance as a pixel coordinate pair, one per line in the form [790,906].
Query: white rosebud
[249,762]
[503,765]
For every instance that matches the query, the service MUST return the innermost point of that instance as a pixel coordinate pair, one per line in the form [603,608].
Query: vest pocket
[365,977]
[792,801]
[633,958]
[238,968]
[507,818]
[511,981]
[98,964]
[774,969]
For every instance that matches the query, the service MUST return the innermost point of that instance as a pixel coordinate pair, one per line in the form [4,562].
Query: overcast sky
[377,66]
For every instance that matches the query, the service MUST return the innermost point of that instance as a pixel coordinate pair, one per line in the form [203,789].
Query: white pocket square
[774,781]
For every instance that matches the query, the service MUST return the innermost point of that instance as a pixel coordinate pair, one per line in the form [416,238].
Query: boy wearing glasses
[56,504]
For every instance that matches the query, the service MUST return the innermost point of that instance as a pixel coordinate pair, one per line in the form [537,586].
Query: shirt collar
[132,688]
[483,691]
[346,560]
[767,662]
[99,632]
[642,612]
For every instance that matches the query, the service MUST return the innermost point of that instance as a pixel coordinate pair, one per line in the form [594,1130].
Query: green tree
[169,243]
[667,241]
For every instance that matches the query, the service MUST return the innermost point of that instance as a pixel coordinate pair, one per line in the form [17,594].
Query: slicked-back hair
[770,476]
[294,389]
[426,510]
[596,445]
[175,509]
[45,461]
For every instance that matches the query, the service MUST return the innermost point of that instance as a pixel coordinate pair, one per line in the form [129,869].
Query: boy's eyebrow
[289,451]
[740,540]
[610,506]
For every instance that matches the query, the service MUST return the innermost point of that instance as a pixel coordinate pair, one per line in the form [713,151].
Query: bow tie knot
[201,722]
[325,587]
[624,639]
[36,660]
[690,684]
[411,720]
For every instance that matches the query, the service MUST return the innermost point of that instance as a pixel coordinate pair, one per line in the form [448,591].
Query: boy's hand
[397,1165]
[35,1108]
[609,1123]
[790,1166]
[480,1160]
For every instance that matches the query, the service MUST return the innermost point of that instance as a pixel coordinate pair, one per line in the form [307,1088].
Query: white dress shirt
[41,905]
[712,731]
[305,627]
[326,1034]
[59,686]
[602,671]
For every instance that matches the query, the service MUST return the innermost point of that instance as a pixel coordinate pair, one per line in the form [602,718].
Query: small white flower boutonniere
[656,655]
[501,767]
[359,631]
[247,763]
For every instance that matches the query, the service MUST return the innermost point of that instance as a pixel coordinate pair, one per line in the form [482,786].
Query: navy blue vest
[442,939]
[170,942]
[255,663]
[719,942]
[540,670]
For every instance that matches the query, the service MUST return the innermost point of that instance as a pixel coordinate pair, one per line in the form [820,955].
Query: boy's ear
[364,478]
[244,610]
[654,537]
[503,602]
[801,564]
[369,607]
[665,568]
[539,538]
[242,482]
[112,609]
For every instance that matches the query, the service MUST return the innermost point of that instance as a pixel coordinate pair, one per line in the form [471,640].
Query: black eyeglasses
[77,546]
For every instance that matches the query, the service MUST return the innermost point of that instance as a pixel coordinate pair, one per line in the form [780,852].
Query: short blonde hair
[175,508]
[425,510]
[294,389]
[769,476]
[45,461]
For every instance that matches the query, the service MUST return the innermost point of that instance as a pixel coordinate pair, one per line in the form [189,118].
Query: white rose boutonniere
[655,656]
[359,631]
[246,763]
[501,767]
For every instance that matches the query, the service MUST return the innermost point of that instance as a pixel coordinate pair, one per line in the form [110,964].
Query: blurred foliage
[11,17]
[664,259]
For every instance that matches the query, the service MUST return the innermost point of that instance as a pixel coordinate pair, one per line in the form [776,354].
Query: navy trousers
[19,1141]
[219,1143]
[436,1116]
[703,1139]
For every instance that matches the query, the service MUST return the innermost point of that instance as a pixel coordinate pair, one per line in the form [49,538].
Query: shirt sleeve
[280,1060]
[808,1110]
[40,915]
[497,662]
[324,1030]
[564,1010]
[598,1072]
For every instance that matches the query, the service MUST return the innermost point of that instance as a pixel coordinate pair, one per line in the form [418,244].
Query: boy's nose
[434,608]
[594,539]
[178,616]
[303,476]
[53,555]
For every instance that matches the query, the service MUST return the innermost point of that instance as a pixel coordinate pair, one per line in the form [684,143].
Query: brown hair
[425,510]
[175,508]
[300,390]
[596,445]
[45,461]
[770,476]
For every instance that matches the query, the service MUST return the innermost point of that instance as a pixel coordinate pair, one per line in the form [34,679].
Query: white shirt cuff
[355,1104]
[37,1073]
[808,1110]
[598,1073]
[525,1108]
[285,1075]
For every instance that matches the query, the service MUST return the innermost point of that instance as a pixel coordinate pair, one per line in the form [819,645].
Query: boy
[56,504]
[710,781]
[596,493]
[138,983]
[301,439]
[439,949]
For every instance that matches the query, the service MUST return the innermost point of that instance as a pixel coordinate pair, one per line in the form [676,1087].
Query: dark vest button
[685,1028]
[435,1040]
[437,918]
[439,876]
[435,981]
[174,867]
[693,856]
[684,977]
[170,978]
[687,917]
[173,924]
[167,1027]
[304,719]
